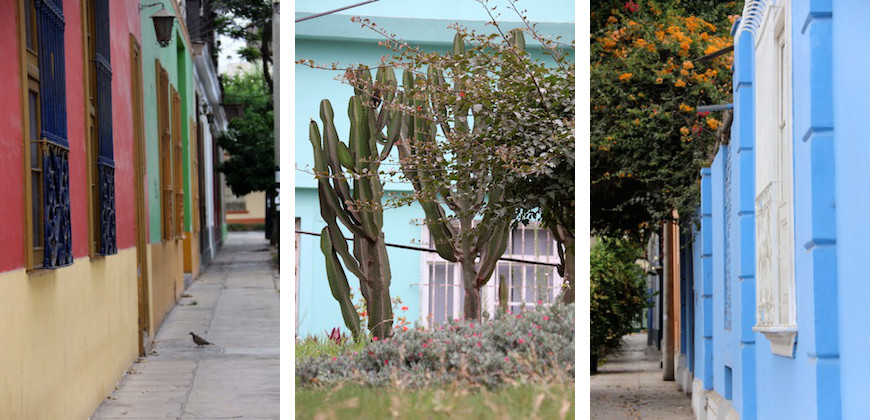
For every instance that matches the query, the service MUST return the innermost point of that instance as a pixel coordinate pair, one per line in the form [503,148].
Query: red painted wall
[11,143]
[75,125]
[124,16]
[125,20]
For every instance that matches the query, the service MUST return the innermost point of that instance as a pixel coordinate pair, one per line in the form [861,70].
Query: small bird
[199,340]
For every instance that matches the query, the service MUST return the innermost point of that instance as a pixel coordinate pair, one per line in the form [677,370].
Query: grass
[524,401]
[312,347]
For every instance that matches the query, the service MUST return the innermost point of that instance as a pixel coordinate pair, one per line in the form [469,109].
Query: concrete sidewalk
[234,305]
[630,386]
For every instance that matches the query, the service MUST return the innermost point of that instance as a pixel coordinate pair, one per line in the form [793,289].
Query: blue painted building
[425,283]
[780,273]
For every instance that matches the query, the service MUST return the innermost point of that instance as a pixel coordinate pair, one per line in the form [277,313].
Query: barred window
[48,230]
[528,284]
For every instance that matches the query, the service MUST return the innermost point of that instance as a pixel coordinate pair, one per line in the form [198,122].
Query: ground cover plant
[533,346]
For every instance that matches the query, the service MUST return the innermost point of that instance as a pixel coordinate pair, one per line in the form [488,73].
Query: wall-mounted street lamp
[163,23]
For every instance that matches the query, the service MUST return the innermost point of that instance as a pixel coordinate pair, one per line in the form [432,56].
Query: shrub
[513,348]
[618,292]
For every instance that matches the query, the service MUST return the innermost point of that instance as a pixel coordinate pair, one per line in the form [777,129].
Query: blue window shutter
[52,82]
[105,160]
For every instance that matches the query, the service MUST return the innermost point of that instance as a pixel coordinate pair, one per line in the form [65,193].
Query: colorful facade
[84,274]
[428,286]
[780,284]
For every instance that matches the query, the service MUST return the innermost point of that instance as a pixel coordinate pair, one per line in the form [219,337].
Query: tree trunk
[569,263]
[471,308]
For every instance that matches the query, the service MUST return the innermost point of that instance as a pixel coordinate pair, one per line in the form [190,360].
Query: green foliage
[250,140]
[251,22]
[617,294]
[647,140]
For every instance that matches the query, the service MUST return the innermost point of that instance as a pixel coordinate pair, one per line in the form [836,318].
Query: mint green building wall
[176,60]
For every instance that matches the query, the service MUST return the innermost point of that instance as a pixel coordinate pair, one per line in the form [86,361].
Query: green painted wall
[177,61]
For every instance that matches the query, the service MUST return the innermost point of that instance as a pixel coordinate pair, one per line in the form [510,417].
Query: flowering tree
[648,141]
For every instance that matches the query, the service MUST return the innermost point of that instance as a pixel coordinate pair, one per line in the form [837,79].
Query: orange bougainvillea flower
[612,19]
[684,131]
[659,81]
[625,76]
[688,65]
[712,123]
[679,83]
[685,108]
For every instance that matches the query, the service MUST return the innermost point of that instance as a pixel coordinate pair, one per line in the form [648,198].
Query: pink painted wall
[11,143]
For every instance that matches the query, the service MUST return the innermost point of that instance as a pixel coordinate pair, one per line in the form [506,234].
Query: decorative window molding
[774,201]
[442,291]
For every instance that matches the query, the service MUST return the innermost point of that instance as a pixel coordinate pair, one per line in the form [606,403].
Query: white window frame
[774,174]
[489,292]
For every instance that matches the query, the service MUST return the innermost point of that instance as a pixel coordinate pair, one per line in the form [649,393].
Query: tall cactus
[359,208]
[476,248]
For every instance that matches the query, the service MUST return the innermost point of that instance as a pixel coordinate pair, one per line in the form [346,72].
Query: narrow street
[234,305]
[630,386]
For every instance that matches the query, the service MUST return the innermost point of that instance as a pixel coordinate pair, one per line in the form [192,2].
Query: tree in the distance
[250,140]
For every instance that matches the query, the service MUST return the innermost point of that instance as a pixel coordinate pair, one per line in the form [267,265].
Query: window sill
[782,338]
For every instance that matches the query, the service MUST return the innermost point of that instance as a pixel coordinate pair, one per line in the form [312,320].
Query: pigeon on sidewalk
[199,340]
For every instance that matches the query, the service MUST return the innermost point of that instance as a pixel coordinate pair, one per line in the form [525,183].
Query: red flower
[471,325]
[521,341]
[631,6]
[404,328]
[546,318]
[462,94]
[507,359]
[404,308]
[425,345]
[375,338]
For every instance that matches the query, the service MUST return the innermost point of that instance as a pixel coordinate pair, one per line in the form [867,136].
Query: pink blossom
[478,344]
[519,316]
[521,341]
[540,301]
[508,333]
[471,325]
[546,318]
[425,345]
[386,361]
[507,359]
[530,334]
[334,359]
[631,6]
[375,338]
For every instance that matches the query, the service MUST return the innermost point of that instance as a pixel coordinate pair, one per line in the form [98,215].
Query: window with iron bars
[529,285]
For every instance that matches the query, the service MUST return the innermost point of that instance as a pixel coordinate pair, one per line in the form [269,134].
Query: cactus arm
[336,157]
[322,173]
[339,286]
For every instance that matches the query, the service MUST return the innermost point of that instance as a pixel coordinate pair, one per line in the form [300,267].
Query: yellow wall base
[166,282]
[68,335]
[191,253]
